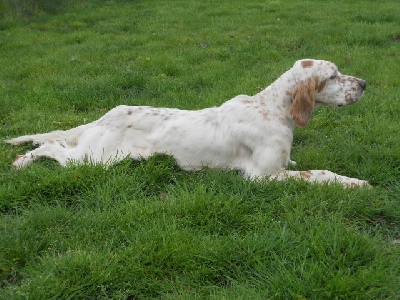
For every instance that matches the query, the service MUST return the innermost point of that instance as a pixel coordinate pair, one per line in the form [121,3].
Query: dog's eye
[333,76]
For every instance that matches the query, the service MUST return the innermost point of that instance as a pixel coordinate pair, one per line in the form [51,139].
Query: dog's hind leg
[37,139]
[50,149]
[69,137]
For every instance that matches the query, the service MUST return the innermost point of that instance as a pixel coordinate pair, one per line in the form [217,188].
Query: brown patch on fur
[246,101]
[305,174]
[283,121]
[348,99]
[303,102]
[319,85]
[265,114]
[129,126]
[307,63]
[129,112]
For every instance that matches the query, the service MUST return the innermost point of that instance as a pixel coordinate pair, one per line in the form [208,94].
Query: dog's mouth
[319,104]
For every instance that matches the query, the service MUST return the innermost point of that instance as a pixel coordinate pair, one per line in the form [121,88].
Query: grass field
[144,230]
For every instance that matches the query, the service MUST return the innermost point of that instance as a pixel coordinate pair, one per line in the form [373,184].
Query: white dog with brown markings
[252,134]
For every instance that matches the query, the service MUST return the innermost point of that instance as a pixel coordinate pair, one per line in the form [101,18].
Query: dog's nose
[363,84]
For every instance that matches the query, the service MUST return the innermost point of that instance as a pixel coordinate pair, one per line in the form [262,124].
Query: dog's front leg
[320,176]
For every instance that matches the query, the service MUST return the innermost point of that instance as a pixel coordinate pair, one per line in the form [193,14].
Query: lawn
[148,230]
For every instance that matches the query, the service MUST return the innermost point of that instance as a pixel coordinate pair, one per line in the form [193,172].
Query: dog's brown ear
[303,101]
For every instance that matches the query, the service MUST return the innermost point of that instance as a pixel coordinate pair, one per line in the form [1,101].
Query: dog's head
[317,83]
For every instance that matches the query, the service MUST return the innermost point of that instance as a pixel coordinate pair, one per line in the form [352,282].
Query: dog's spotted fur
[252,134]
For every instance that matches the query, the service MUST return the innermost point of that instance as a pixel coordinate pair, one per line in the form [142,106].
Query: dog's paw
[22,161]
[354,182]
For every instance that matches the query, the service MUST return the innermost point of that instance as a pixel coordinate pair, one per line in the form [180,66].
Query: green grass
[143,230]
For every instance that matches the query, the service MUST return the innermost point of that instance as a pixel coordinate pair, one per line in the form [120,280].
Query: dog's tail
[68,137]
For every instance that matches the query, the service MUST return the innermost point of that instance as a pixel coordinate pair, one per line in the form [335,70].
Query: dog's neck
[279,94]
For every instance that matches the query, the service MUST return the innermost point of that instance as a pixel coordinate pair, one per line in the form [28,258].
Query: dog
[252,134]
